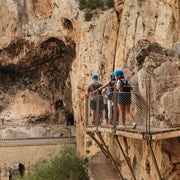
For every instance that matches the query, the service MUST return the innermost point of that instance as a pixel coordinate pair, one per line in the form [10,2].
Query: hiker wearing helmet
[91,92]
[124,98]
[107,91]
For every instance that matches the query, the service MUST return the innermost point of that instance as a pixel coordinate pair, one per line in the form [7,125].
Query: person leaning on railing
[93,93]
[109,88]
[124,98]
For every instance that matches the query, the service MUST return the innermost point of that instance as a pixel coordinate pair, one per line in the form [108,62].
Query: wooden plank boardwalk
[139,133]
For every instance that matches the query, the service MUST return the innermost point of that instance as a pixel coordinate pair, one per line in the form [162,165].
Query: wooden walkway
[144,132]
[138,133]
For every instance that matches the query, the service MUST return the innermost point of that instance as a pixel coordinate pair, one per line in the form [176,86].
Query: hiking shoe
[121,126]
[102,123]
[134,125]
[124,126]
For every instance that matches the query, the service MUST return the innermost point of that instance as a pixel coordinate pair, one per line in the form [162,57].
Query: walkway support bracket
[92,135]
[147,136]
[126,159]
[154,160]
[109,153]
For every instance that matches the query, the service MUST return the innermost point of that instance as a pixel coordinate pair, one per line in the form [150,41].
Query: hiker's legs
[129,113]
[110,111]
[121,109]
[93,110]
[106,111]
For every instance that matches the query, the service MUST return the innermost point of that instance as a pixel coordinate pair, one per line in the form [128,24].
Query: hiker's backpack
[125,86]
[109,92]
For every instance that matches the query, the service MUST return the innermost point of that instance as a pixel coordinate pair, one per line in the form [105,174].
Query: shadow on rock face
[42,69]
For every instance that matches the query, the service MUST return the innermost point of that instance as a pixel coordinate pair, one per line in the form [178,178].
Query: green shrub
[66,165]
[40,170]
[91,4]
[83,4]
[88,143]
[110,3]
[94,4]
[88,16]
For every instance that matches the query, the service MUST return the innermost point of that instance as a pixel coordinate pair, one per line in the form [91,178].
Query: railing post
[149,111]
[86,110]
[97,115]
[148,108]
[148,126]
[114,108]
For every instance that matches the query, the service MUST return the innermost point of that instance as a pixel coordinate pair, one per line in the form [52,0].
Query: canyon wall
[48,52]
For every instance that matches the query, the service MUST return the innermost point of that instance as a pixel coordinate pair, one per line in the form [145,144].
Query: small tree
[88,16]
[82,4]
[110,3]
[94,4]
[66,165]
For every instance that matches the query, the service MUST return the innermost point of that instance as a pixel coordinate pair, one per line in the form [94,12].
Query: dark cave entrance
[16,169]
[44,69]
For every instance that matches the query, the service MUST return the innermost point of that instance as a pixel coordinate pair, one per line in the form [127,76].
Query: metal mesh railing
[102,114]
[146,106]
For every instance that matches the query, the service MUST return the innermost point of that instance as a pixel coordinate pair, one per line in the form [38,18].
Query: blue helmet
[112,74]
[94,76]
[119,72]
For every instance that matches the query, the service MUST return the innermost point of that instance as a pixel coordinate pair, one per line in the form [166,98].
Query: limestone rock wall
[48,52]
[156,21]
[136,20]
[37,51]
[154,71]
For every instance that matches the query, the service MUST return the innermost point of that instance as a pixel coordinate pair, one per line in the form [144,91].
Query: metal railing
[100,111]
[145,105]
[141,101]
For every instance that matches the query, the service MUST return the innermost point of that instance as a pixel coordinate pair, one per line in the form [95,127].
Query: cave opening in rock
[16,169]
[70,119]
[67,24]
[59,104]
[44,70]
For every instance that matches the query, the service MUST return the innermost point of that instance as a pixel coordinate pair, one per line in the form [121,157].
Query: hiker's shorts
[124,98]
[93,105]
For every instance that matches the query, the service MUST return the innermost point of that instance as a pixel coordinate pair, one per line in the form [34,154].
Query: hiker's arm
[87,94]
[130,86]
[103,91]
[102,87]
[118,85]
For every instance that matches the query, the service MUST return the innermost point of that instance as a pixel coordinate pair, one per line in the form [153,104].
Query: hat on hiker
[94,76]
[119,72]
[112,74]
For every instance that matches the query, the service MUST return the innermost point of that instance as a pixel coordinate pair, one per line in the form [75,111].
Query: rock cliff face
[148,64]
[48,52]
[157,21]
[35,82]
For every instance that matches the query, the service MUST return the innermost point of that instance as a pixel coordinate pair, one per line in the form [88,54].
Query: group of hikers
[116,93]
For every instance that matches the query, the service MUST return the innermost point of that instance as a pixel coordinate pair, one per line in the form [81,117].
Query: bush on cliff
[92,6]
[66,165]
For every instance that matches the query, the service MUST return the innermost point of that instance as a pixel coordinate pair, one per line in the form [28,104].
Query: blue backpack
[109,92]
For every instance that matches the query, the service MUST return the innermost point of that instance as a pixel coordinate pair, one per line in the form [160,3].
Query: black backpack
[125,87]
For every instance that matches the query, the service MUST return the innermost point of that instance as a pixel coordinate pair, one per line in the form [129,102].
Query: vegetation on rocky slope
[63,166]
[91,5]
